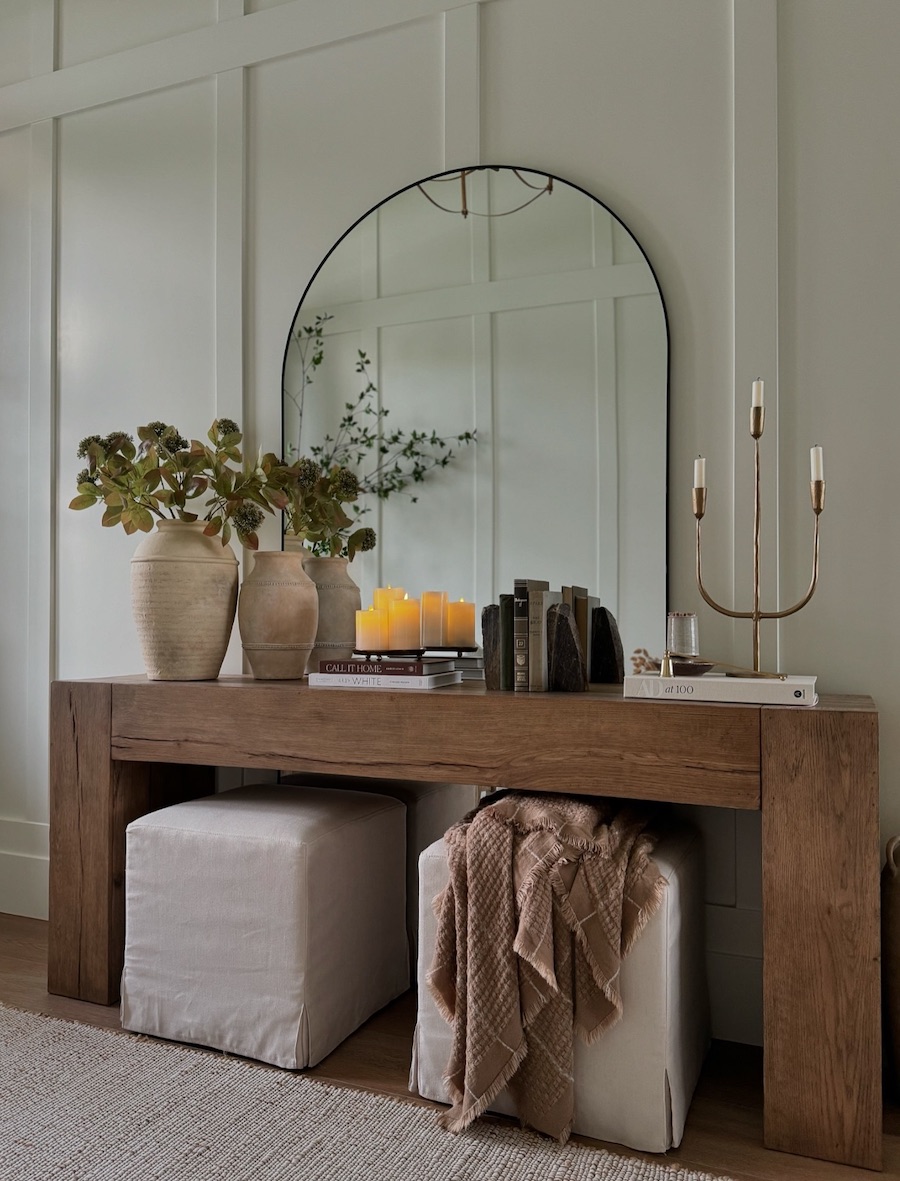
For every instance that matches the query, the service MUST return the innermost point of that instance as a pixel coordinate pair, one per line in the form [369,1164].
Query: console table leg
[821,974]
[92,800]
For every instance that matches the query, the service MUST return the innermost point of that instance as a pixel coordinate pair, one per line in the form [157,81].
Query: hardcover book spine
[755,691]
[372,681]
[540,599]
[520,635]
[393,668]
[506,641]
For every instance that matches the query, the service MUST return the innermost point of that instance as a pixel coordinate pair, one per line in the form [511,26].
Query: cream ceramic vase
[183,595]
[339,600]
[278,613]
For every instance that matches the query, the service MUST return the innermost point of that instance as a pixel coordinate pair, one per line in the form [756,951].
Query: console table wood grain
[123,746]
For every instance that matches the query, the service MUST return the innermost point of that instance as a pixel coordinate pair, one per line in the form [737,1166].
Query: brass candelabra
[817,497]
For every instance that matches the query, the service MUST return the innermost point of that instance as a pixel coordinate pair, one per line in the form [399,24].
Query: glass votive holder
[682,638]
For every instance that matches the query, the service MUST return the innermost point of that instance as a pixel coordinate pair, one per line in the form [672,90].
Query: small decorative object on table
[682,637]
[396,624]
[567,667]
[278,616]
[607,657]
[817,498]
[490,637]
[318,525]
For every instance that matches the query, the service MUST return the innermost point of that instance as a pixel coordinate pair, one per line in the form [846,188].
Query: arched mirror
[515,305]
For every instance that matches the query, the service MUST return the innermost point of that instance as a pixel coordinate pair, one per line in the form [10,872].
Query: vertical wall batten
[462,87]
[755,204]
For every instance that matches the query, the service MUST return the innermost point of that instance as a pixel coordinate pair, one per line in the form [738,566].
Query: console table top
[597,742]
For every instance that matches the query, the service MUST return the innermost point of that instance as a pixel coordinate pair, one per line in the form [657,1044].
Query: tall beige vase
[278,613]
[183,595]
[339,600]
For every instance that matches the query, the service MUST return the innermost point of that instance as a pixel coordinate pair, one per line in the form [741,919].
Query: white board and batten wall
[172,172]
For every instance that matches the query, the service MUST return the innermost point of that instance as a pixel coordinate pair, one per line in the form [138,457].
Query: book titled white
[793,690]
[378,681]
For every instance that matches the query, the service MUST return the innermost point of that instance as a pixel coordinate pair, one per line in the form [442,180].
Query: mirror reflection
[515,306]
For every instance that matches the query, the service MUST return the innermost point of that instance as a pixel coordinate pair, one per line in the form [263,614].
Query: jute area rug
[94,1105]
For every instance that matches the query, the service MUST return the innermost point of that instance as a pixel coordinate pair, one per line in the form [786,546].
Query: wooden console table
[123,746]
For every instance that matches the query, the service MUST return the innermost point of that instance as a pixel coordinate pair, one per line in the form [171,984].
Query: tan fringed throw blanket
[566,884]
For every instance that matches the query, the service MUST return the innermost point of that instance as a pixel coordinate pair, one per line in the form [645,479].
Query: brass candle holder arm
[707,597]
[814,578]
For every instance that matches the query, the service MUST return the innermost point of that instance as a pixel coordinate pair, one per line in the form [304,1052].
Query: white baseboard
[24,884]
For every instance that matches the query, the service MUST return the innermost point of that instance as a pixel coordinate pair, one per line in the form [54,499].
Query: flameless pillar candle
[816,463]
[404,624]
[699,472]
[371,630]
[383,595]
[460,628]
[434,607]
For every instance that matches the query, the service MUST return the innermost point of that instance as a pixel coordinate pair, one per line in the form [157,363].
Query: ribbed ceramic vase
[183,595]
[339,600]
[278,613]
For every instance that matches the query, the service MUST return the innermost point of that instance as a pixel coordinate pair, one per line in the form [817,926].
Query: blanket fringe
[442,1007]
[456,1119]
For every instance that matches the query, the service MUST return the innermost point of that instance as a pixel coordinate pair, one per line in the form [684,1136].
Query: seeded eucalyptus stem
[166,476]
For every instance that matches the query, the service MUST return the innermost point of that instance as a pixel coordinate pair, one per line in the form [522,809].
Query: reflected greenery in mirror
[537,327]
[385,459]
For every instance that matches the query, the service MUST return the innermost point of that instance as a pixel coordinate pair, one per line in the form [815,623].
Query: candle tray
[389,653]
[452,649]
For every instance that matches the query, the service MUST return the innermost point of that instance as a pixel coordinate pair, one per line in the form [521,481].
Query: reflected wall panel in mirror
[542,329]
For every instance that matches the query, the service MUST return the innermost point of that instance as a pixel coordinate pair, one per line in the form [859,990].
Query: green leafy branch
[403,458]
[309,341]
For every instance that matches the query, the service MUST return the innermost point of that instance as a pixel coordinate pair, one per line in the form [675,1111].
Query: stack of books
[471,666]
[428,672]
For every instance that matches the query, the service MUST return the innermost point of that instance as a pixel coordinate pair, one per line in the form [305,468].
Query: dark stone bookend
[490,642]
[607,657]
[565,657]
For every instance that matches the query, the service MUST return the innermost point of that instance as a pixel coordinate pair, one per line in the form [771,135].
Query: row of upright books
[537,639]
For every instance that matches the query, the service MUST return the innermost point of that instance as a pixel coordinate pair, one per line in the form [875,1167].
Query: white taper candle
[816,464]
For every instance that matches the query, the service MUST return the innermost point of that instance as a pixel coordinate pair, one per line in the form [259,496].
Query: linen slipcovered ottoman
[431,808]
[634,1085]
[266,921]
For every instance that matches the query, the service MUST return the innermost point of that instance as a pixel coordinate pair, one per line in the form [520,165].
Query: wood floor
[724,1130]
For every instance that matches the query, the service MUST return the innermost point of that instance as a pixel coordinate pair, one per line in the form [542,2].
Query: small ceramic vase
[278,613]
[339,600]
